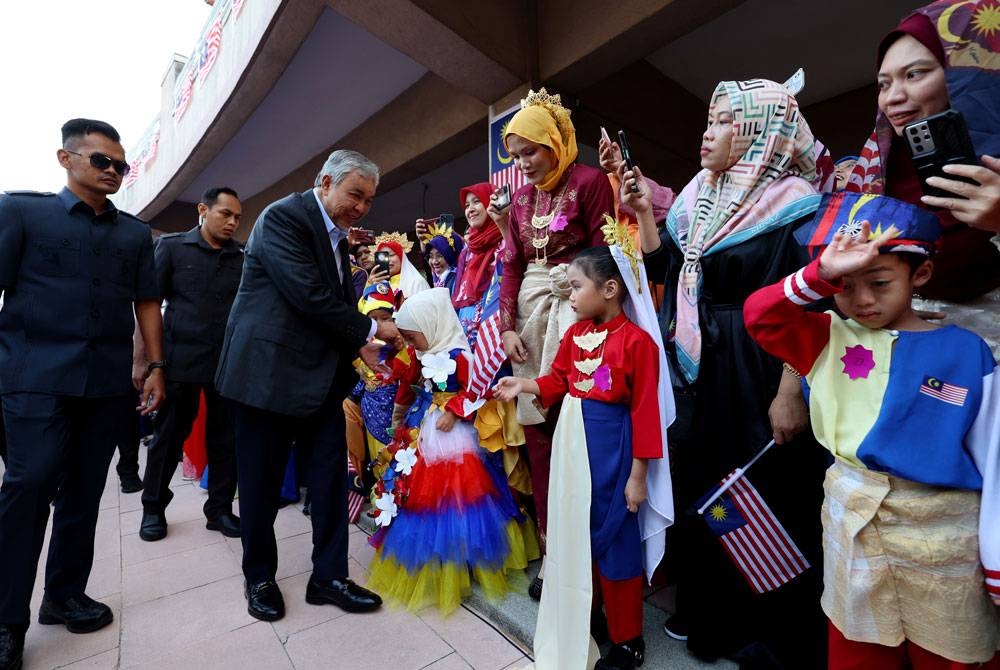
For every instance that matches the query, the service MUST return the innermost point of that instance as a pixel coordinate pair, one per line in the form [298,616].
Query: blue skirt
[615,541]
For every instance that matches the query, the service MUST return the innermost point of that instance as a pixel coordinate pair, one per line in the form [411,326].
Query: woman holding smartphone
[559,212]
[930,62]
[728,233]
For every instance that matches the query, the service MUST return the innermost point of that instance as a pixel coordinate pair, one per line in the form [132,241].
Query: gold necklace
[540,223]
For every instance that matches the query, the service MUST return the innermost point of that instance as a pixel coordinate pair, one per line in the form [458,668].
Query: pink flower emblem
[602,377]
[559,223]
[858,362]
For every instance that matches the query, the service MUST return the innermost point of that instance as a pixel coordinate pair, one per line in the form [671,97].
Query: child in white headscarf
[439,510]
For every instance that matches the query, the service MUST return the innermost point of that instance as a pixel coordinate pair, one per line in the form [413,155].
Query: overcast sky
[101,59]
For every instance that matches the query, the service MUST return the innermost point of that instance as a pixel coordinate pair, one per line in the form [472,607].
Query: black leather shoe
[153,527]
[343,593]
[130,483]
[226,523]
[11,647]
[535,588]
[625,656]
[264,601]
[80,614]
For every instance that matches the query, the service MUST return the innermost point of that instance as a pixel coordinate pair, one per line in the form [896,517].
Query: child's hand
[641,200]
[508,389]
[635,492]
[847,253]
[446,421]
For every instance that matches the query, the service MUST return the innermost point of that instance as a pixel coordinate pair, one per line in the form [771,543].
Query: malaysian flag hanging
[210,49]
[755,540]
[183,99]
[502,167]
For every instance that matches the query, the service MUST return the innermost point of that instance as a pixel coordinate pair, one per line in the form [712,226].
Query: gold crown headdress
[616,234]
[398,238]
[553,105]
[440,229]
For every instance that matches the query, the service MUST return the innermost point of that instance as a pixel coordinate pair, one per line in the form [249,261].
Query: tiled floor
[179,603]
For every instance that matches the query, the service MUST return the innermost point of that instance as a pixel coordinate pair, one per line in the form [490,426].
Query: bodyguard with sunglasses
[73,271]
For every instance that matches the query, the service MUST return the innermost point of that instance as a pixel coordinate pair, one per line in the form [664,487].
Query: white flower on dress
[405,460]
[437,367]
[386,506]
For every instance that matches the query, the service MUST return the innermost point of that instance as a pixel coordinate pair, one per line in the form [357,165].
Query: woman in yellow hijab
[559,212]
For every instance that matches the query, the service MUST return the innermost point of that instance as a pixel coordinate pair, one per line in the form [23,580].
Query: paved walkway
[179,603]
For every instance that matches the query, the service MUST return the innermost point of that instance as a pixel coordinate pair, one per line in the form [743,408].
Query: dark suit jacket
[295,327]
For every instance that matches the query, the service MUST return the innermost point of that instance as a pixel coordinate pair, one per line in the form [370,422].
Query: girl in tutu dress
[441,516]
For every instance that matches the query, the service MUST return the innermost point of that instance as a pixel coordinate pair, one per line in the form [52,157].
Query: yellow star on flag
[718,512]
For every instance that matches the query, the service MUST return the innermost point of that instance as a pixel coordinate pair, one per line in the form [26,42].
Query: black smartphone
[939,140]
[382,261]
[446,220]
[627,156]
[503,200]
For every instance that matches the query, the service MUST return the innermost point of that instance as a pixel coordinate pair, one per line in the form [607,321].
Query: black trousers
[59,448]
[263,441]
[128,442]
[171,428]
[3,439]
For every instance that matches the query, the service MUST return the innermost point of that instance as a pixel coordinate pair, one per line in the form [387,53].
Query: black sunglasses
[102,162]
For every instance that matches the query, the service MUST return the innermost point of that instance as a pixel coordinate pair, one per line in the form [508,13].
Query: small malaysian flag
[489,355]
[183,100]
[210,49]
[943,391]
[355,500]
[755,540]
[503,170]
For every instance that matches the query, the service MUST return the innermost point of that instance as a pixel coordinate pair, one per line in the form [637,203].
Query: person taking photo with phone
[553,217]
[729,232]
[926,65]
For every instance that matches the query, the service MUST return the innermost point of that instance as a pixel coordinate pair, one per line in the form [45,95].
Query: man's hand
[371,354]
[446,421]
[609,155]
[514,347]
[387,332]
[154,392]
[848,253]
[978,204]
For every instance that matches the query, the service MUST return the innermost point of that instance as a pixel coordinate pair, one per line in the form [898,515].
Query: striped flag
[183,100]
[753,537]
[237,7]
[949,393]
[489,355]
[210,49]
[502,167]
[355,500]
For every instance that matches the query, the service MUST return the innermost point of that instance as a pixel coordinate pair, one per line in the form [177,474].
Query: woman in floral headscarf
[556,214]
[728,233]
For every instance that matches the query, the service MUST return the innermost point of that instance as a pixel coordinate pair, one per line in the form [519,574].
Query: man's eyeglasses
[101,162]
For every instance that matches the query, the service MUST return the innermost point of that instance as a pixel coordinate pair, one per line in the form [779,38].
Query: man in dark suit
[286,366]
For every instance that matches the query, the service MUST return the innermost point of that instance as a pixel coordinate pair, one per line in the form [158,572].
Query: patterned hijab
[957,33]
[543,120]
[769,185]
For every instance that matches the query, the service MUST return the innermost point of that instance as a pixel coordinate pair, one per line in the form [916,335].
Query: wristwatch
[154,365]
